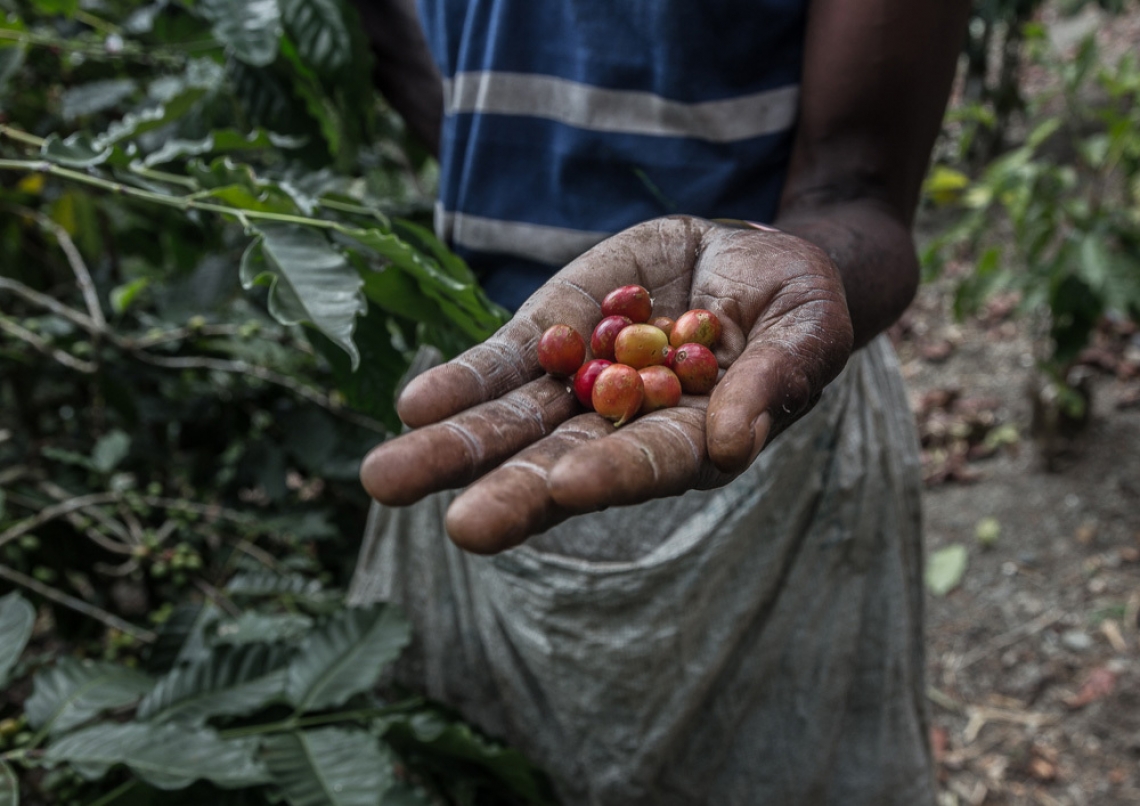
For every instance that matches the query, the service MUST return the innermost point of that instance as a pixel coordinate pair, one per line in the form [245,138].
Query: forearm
[874,251]
[404,71]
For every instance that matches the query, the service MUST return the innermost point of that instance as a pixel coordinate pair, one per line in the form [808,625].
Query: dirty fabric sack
[758,643]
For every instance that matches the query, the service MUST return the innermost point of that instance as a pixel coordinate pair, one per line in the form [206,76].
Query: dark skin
[793,303]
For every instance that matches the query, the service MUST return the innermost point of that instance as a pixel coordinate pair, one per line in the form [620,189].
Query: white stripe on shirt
[631,112]
[552,245]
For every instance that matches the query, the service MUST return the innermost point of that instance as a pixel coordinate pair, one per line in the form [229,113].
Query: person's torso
[568,120]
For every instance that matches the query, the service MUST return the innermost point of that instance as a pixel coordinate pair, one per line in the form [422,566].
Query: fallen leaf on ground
[1098,685]
[945,568]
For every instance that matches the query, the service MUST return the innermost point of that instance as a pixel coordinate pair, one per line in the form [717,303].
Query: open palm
[492,420]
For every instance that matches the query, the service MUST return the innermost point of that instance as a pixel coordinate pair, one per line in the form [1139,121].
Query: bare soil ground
[1033,660]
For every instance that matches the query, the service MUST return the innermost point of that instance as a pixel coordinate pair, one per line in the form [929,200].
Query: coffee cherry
[585,378]
[618,393]
[696,326]
[604,335]
[561,350]
[696,368]
[641,346]
[629,300]
[662,389]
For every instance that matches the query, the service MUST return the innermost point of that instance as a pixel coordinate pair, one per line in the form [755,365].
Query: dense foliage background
[216,265]
[182,185]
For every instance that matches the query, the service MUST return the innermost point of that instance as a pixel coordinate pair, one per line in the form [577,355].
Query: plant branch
[19,136]
[183,362]
[99,50]
[109,523]
[51,513]
[78,605]
[44,301]
[78,266]
[296,723]
[167,200]
[63,357]
[267,375]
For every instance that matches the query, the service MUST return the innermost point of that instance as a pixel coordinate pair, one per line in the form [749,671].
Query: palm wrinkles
[492,420]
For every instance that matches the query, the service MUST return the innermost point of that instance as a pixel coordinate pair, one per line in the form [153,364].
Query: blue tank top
[566,121]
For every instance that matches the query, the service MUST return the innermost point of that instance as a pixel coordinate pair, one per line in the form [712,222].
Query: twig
[217,597]
[78,605]
[21,136]
[109,523]
[209,510]
[53,305]
[79,268]
[101,540]
[189,362]
[134,526]
[944,700]
[1010,638]
[980,715]
[182,333]
[267,375]
[13,474]
[257,553]
[63,357]
[62,495]
[51,513]
[121,570]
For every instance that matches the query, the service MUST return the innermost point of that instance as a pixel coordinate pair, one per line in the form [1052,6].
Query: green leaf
[65,7]
[945,569]
[222,172]
[95,96]
[945,185]
[267,199]
[309,282]
[429,733]
[220,141]
[165,756]
[370,388]
[111,449]
[73,691]
[150,118]
[17,618]
[123,295]
[232,681]
[329,767]
[318,29]
[268,584]
[987,279]
[253,627]
[345,655]
[181,638]
[251,28]
[307,86]
[463,302]
[9,786]
[78,150]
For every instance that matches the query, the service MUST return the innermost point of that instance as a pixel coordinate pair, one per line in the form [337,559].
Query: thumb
[777,379]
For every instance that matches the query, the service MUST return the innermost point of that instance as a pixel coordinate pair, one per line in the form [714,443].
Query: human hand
[492,420]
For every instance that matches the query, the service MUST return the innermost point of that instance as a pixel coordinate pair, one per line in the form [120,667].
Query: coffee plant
[215,267]
[1057,219]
